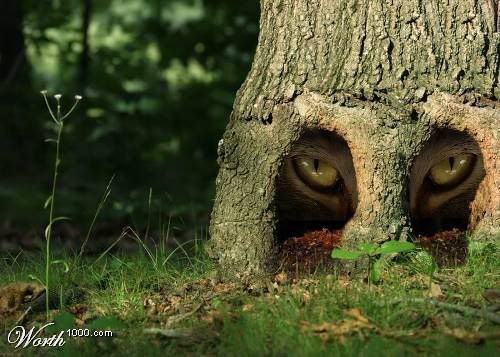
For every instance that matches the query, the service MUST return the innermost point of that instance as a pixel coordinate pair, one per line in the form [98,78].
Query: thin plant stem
[103,200]
[370,262]
[71,110]
[44,94]
[149,213]
[58,119]
[51,212]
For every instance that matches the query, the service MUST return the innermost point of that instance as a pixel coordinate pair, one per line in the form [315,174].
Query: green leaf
[423,263]
[47,202]
[394,246]
[63,321]
[66,266]
[376,271]
[32,277]
[368,248]
[54,221]
[346,254]
[216,302]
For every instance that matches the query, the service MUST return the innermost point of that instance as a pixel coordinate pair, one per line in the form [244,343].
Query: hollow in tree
[380,119]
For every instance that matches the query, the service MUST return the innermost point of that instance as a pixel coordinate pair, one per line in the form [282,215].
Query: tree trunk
[17,102]
[12,51]
[385,76]
[85,56]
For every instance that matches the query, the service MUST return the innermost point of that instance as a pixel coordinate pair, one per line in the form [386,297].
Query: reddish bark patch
[309,251]
[449,248]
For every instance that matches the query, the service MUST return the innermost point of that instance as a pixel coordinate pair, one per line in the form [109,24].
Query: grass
[179,295]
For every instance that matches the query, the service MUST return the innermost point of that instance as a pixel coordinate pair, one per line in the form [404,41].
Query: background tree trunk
[16,97]
[382,74]
[85,56]
[12,50]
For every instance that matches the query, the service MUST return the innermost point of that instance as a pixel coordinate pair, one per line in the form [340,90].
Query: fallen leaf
[211,316]
[100,311]
[435,291]
[79,311]
[356,314]
[247,307]
[148,303]
[281,278]
[326,330]
[306,297]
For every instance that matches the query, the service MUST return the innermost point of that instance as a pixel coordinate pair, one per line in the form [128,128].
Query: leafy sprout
[376,255]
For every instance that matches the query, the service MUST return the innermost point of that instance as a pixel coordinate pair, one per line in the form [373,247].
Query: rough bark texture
[384,75]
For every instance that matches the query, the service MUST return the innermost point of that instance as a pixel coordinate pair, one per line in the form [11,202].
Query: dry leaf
[78,310]
[306,297]
[211,316]
[327,330]
[281,278]
[100,311]
[247,307]
[356,314]
[435,291]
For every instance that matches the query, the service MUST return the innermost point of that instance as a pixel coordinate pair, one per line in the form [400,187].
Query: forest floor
[164,302]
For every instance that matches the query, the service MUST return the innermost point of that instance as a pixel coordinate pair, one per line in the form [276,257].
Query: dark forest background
[158,79]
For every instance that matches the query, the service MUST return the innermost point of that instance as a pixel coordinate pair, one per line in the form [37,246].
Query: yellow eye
[452,170]
[316,173]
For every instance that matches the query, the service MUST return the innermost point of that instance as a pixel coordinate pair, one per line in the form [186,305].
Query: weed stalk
[58,119]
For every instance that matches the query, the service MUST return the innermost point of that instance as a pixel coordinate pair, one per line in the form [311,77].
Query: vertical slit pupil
[451,161]
[316,165]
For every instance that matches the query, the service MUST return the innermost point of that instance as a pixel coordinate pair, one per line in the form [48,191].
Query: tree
[16,96]
[85,55]
[383,75]
[12,51]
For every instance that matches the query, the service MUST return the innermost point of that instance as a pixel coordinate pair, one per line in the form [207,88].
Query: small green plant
[58,117]
[376,254]
[100,206]
[424,263]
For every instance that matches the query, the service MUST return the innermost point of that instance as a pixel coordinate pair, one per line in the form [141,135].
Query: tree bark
[384,75]
[496,4]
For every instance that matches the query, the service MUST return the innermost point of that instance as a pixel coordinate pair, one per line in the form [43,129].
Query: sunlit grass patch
[181,307]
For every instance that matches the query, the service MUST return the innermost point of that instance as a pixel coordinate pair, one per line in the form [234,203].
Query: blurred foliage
[158,92]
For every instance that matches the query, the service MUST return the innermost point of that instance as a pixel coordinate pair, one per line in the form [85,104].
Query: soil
[449,248]
[310,251]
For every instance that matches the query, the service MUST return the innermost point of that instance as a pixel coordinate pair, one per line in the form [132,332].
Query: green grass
[267,318]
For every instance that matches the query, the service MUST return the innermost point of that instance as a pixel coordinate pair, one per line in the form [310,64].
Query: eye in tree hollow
[384,76]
